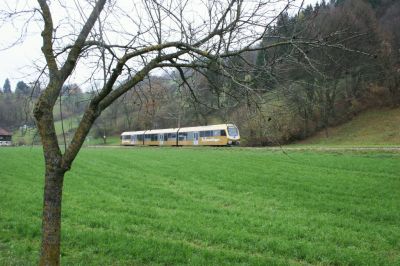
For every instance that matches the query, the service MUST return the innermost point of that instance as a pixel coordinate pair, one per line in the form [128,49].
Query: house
[5,138]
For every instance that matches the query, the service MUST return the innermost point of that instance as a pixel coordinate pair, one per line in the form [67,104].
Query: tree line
[15,107]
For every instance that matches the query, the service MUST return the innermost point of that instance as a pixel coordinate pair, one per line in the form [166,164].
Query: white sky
[17,62]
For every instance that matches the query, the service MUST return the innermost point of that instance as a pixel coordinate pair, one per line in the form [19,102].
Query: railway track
[284,148]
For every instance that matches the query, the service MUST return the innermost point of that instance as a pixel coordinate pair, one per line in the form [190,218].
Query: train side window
[182,136]
[190,135]
[223,132]
[216,133]
[208,133]
[202,134]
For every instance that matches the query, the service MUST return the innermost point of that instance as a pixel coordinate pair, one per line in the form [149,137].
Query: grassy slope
[70,123]
[373,127]
[207,207]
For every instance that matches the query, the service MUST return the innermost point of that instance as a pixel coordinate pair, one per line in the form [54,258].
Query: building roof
[4,132]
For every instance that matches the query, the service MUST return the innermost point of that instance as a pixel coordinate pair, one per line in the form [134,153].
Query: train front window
[233,132]
[126,137]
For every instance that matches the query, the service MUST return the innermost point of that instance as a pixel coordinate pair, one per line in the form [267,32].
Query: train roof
[211,127]
[160,131]
[132,133]
[174,130]
[153,131]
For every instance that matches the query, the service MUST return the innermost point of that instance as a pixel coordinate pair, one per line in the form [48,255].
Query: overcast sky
[18,61]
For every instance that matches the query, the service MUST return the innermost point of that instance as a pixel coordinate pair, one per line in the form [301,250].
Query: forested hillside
[350,62]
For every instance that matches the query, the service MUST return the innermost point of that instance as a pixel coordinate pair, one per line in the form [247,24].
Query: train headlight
[230,142]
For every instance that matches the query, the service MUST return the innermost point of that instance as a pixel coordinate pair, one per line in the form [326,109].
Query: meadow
[208,206]
[374,127]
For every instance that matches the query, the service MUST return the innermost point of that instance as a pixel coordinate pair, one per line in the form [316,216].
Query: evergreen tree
[308,11]
[7,87]
[22,88]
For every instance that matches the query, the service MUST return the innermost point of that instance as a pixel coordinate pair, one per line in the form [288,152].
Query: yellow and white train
[215,135]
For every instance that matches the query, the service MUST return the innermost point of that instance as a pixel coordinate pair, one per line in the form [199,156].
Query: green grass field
[206,206]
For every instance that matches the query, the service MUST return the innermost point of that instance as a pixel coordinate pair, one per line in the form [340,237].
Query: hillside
[370,128]
[31,135]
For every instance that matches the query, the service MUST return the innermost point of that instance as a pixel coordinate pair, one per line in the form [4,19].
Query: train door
[161,138]
[196,138]
[133,139]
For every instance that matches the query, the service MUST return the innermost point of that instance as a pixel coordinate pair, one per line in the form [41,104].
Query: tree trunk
[54,177]
[51,221]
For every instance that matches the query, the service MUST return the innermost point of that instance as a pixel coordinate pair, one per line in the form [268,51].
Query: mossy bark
[51,222]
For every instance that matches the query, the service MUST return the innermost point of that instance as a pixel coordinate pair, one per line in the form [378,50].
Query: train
[213,135]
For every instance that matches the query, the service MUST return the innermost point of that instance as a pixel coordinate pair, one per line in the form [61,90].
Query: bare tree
[124,44]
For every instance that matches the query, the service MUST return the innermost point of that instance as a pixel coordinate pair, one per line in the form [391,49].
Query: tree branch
[47,35]
[76,49]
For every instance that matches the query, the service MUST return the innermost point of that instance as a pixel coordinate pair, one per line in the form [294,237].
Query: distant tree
[7,87]
[22,88]
[71,89]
